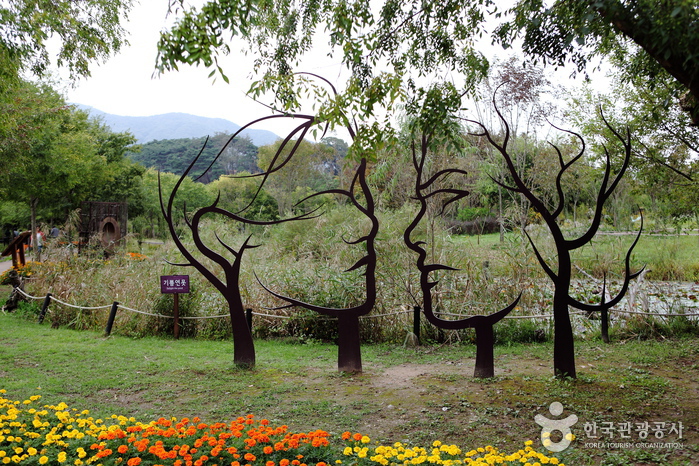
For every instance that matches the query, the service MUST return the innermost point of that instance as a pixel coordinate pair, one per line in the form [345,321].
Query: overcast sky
[125,85]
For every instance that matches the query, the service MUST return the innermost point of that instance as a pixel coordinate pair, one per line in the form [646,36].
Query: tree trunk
[34,241]
[500,217]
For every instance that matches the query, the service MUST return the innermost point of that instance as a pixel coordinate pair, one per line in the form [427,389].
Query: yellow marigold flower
[366,439]
[553,460]
[529,443]
[43,460]
[347,451]
[32,451]
[6,460]
[436,443]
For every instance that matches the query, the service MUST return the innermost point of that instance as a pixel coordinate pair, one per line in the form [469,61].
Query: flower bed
[32,434]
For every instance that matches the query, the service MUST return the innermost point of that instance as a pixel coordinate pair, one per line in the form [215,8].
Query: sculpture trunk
[563,345]
[485,364]
[243,346]
[349,355]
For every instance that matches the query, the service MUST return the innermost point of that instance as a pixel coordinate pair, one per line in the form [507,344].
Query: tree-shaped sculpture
[229,287]
[561,273]
[349,357]
[424,192]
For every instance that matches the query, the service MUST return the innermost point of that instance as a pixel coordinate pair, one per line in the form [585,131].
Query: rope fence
[115,306]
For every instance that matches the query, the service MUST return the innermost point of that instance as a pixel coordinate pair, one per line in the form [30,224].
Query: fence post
[248,317]
[416,323]
[44,307]
[110,320]
[604,317]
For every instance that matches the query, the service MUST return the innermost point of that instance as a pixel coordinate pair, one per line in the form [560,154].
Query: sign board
[174,283]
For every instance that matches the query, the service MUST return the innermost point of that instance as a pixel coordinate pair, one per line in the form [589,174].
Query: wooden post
[248,317]
[604,317]
[110,320]
[44,307]
[176,315]
[416,323]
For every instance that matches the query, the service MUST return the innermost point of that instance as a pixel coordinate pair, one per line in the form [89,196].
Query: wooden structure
[16,249]
[106,219]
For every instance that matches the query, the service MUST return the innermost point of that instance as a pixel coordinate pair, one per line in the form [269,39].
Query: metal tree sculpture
[229,287]
[349,356]
[561,273]
[424,191]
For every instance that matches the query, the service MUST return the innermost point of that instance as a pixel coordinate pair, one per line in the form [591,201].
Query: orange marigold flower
[235,463]
[357,437]
[249,457]
[268,450]
[123,449]
[269,463]
[346,435]
[284,462]
[134,461]
[322,463]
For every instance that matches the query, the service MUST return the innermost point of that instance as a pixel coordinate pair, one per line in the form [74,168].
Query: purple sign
[174,283]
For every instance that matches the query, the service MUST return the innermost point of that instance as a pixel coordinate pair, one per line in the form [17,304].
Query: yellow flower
[570,437]
[43,460]
[366,439]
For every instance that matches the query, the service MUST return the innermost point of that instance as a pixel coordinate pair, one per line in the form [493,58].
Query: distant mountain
[176,126]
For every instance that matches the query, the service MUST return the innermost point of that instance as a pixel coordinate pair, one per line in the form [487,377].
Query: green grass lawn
[404,394]
[668,257]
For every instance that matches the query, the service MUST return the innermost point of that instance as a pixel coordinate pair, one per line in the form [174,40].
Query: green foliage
[642,327]
[466,214]
[82,31]
[218,154]
[241,195]
[512,331]
[188,306]
[648,40]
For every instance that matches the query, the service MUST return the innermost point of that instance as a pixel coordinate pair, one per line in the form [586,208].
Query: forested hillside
[174,155]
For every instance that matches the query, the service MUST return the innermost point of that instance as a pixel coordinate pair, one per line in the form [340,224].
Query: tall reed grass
[307,261]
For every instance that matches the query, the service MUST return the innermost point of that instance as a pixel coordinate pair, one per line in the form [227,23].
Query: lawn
[416,395]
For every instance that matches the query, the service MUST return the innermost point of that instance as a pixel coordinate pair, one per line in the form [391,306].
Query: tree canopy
[84,32]
[389,47]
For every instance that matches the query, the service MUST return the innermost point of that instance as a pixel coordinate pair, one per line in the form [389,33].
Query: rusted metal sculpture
[561,273]
[243,346]
[349,357]
[424,191]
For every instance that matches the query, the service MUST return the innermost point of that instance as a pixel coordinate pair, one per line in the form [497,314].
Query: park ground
[414,395]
